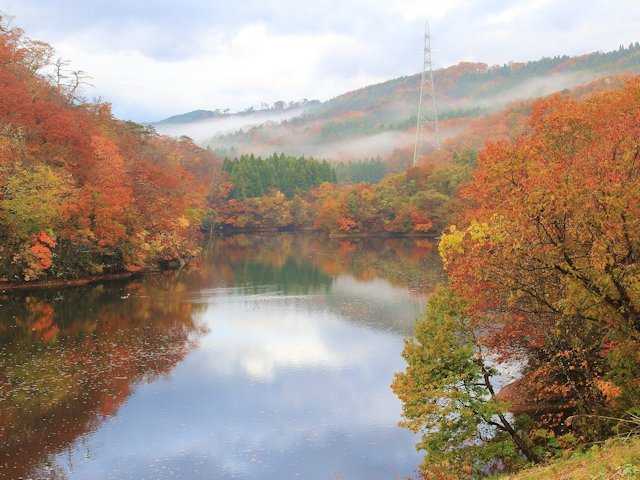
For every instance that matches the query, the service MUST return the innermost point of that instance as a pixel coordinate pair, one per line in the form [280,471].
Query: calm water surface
[269,359]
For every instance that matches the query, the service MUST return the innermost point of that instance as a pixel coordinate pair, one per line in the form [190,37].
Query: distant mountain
[194,116]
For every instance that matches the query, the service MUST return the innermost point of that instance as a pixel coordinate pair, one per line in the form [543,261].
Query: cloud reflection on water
[277,385]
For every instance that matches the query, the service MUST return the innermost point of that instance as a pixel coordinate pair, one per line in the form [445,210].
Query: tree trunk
[522,445]
[520,442]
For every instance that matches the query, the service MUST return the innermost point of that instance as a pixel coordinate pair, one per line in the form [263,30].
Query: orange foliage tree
[112,195]
[547,255]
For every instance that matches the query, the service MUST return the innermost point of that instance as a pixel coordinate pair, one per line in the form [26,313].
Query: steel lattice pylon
[427,89]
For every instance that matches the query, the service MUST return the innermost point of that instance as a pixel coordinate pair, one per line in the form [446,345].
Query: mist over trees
[379,120]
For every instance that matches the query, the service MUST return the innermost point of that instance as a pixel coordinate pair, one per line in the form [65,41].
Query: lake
[268,358]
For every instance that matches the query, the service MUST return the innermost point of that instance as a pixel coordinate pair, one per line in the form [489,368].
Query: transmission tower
[427,89]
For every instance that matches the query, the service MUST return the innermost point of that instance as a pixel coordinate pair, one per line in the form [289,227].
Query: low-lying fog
[363,147]
[203,130]
[278,137]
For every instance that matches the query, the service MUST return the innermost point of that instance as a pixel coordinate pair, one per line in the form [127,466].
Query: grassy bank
[615,460]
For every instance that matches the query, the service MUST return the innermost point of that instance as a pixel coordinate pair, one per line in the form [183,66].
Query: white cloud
[251,66]
[156,58]
[517,11]
[422,10]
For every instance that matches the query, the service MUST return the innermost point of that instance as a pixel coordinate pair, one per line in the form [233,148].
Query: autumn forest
[521,231]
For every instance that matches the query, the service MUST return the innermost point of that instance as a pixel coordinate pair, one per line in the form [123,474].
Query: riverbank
[180,263]
[430,236]
[61,283]
[274,231]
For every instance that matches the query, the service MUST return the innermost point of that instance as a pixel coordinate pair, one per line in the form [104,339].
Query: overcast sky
[155,58]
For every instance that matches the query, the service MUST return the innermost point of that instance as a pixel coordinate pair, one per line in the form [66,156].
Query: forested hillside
[368,199]
[379,120]
[419,201]
[82,193]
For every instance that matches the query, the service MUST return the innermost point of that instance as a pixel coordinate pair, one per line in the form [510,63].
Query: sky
[156,58]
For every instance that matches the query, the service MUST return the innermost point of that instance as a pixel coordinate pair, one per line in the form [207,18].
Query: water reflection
[271,358]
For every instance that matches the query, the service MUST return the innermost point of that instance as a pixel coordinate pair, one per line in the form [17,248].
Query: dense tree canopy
[545,262]
[418,201]
[81,192]
[255,176]
[550,248]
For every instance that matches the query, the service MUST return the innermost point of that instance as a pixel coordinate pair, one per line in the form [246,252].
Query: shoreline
[232,233]
[78,282]
[384,235]
[73,282]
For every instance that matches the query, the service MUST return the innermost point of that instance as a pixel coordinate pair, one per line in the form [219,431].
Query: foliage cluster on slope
[82,193]
[544,275]
[418,201]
